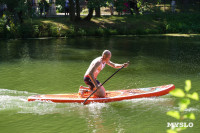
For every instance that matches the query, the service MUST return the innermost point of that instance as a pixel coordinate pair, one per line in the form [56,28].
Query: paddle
[103,83]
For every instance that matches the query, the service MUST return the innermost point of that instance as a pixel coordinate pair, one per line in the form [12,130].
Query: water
[53,66]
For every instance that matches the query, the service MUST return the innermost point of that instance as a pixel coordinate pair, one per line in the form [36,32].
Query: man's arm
[114,65]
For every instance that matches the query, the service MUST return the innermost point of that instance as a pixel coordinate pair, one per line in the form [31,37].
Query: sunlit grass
[63,26]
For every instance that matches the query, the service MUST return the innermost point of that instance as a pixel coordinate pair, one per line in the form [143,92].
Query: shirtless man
[90,77]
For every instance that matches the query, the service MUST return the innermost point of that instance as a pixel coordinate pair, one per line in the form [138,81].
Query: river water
[53,66]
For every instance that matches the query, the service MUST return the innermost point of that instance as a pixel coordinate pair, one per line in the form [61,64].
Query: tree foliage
[18,9]
[97,3]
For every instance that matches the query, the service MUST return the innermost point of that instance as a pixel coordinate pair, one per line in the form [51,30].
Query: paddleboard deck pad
[111,96]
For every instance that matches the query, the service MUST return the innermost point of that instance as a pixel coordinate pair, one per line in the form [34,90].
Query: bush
[2,27]
[36,30]
[43,30]
[53,31]
[26,31]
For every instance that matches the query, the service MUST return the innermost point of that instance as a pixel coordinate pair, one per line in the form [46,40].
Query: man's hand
[126,64]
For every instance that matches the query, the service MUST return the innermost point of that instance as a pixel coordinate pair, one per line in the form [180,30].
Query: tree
[98,11]
[18,9]
[72,10]
[78,11]
[95,5]
[119,4]
[90,14]
[185,5]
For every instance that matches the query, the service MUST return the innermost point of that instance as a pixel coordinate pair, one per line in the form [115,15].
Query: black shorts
[88,82]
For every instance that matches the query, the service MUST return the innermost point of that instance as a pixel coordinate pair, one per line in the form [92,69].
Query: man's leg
[67,10]
[100,92]
[83,90]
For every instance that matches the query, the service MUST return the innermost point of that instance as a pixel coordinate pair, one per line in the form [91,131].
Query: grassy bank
[104,26]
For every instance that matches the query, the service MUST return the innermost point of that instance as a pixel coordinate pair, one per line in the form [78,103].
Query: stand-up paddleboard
[112,96]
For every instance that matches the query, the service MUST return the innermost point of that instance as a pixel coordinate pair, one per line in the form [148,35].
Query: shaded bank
[104,26]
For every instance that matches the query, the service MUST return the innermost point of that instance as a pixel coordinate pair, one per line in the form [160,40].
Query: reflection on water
[174,48]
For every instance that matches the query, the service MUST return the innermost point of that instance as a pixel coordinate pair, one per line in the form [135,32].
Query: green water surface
[53,66]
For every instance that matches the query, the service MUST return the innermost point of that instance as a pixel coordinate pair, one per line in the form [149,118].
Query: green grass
[161,23]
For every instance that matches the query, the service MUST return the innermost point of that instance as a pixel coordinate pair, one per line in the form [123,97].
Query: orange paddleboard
[112,96]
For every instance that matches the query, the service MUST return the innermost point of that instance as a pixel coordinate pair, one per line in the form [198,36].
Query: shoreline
[147,35]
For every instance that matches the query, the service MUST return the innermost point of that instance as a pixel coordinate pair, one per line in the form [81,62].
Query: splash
[152,102]
[12,99]
[16,101]
[189,109]
[13,92]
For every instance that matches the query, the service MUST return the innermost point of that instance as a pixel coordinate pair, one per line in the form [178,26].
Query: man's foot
[82,92]
[86,88]
[81,87]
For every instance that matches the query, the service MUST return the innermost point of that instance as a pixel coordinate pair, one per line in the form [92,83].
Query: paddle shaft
[103,84]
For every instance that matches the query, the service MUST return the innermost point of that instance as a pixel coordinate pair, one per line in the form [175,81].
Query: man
[3,8]
[111,8]
[90,77]
[67,7]
[173,6]
[46,8]
[41,6]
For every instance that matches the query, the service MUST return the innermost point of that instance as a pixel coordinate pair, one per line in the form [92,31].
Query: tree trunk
[98,12]
[71,10]
[164,4]
[20,13]
[78,16]
[136,8]
[90,15]
[186,5]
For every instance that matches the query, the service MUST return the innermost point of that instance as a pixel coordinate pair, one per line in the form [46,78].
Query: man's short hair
[106,52]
